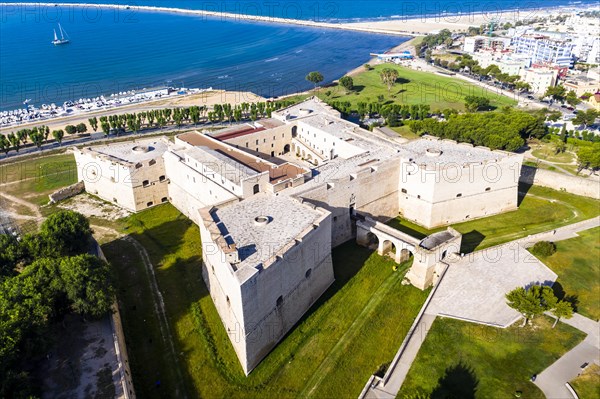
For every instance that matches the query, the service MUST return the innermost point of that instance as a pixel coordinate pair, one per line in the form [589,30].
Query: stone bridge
[385,239]
[429,253]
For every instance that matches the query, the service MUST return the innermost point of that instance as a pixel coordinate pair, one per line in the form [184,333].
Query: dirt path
[159,307]
[34,208]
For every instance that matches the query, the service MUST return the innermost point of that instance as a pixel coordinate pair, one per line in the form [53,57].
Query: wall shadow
[470,241]
[561,295]
[459,381]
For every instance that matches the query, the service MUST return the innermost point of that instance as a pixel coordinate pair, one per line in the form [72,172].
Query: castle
[273,197]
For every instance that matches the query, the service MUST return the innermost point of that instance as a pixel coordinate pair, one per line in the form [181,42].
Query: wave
[272,59]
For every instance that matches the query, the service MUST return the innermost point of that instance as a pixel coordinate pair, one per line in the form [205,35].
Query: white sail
[55,37]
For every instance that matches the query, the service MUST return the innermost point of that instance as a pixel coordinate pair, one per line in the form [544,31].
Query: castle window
[308,273]
[403,191]
[139,165]
[115,201]
[488,188]
[146,183]
[256,189]
[418,197]
[112,179]
[149,204]
[279,301]
[161,178]
[164,199]
[227,299]
[458,195]
[335,218]
[152,162]
[246,144]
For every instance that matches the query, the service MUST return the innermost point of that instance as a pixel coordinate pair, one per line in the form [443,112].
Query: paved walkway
[552,380]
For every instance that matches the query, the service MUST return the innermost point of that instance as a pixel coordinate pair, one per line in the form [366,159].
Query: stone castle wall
[589,187]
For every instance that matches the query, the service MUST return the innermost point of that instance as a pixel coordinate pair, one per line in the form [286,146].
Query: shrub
[544,248]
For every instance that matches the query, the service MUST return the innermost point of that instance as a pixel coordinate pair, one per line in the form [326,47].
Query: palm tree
[389,77]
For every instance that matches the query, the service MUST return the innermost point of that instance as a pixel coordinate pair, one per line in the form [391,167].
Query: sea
[116,50]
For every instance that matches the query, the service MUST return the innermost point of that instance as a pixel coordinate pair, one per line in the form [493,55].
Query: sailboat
[62,39]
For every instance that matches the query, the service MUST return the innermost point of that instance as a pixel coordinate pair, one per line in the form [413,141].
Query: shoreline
[394,25]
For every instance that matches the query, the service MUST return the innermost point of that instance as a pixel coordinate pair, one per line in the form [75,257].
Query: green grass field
[548,154]
[587,385]
[542,209]
[34,179]
[465,360]
[355,327]
[413,87]
[577,263]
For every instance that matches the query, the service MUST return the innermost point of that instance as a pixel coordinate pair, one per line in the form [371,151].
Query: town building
[544,49]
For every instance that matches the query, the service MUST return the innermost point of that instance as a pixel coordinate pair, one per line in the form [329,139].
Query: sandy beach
[411,26]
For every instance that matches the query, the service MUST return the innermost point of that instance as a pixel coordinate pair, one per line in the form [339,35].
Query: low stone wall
[67,192]
[589,187]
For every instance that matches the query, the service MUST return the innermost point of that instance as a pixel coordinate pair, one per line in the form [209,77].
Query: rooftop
[132,151]
[262,225]
[433,151]
[214,152]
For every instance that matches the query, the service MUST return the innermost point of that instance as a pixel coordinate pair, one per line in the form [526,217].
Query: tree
[572,99]
[36,137]
[70,129]
[388,77]
[315,78]
[522,86]
[557,93]
[588,157]
[66,233]
[14,141]
[544,248]
[585,118]
[476,103]
[562,309]
[347,83]
[87,284]
[81,128]
[93,123]
[58,135]
[563,134]
[527,302]
[4,144]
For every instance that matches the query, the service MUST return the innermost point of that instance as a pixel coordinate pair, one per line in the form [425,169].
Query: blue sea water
[117,50]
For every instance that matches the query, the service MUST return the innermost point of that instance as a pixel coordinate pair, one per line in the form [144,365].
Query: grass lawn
[542,209]
[34,179]
[548,154]
[587,385]
[577,263]
[405,132]
[355,327]
[460,359]
[413,87]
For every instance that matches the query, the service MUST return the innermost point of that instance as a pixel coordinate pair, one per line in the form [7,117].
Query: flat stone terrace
[433,151]
[258,240]
[131,151]
[474,286]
